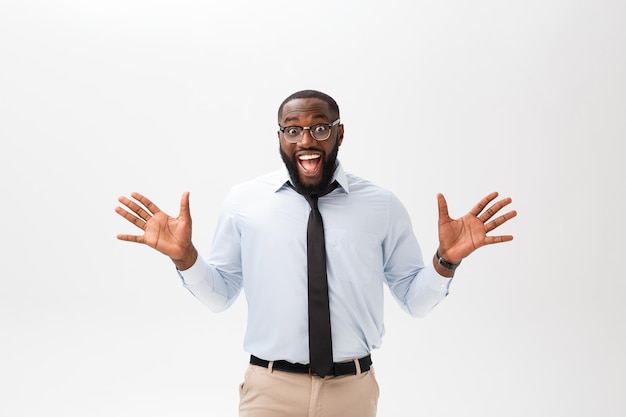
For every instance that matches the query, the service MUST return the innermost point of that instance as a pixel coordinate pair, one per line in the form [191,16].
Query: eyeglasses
[320,131]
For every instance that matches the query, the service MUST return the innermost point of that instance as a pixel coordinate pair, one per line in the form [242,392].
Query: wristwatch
[445,263]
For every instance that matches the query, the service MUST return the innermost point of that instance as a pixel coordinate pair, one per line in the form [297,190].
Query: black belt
[338,369]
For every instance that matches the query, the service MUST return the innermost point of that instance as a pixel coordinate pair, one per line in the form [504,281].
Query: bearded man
[313,246]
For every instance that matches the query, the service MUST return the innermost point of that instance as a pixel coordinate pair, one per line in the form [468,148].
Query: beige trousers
[269,393]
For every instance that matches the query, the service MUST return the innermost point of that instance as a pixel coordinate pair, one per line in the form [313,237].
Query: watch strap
[446,264]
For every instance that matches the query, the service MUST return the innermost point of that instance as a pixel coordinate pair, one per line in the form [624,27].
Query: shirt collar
[282,178]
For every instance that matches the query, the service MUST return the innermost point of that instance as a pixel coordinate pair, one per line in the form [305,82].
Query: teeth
[307,157]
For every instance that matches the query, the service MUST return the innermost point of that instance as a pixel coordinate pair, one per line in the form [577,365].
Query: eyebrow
[317,116]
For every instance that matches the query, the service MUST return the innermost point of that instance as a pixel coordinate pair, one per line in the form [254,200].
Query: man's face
[310,162]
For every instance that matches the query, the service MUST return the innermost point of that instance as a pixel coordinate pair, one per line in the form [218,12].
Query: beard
[328,169]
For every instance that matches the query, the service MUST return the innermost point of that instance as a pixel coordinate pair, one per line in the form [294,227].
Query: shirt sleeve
[217,281]
[417,287]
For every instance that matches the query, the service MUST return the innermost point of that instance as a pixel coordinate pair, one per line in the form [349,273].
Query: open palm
[169,235]
[460,237]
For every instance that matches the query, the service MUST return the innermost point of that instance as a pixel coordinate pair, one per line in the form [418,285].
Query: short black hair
[332,104]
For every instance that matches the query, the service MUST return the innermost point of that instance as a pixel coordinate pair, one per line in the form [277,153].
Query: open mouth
[310,163]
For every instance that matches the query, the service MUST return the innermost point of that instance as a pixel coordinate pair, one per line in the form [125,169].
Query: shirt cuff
[194,274]
[436,281]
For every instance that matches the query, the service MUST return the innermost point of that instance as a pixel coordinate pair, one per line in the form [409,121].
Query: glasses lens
[320,132]
[292,133]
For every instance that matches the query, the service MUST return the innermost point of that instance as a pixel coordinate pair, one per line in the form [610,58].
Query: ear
[339,134]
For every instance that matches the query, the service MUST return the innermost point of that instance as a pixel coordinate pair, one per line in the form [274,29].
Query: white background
[102,98]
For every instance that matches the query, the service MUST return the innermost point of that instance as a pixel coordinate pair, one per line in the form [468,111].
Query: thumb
[443,208]
[184,206]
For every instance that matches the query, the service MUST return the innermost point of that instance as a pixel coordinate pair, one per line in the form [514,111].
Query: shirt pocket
[353,256]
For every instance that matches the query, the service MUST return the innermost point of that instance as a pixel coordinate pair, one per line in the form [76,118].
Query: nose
[306,139]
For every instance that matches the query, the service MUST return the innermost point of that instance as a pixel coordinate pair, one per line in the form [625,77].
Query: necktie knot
[312,199]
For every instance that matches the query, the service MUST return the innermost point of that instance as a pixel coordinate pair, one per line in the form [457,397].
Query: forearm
[418,294]
[427,289]
[209,286]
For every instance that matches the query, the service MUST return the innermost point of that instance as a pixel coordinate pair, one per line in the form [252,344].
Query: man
[265,231]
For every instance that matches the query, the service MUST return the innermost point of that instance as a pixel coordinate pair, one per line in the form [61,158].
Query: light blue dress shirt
[260,245]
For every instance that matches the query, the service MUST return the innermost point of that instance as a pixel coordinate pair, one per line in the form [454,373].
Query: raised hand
[460,237]
[169,235]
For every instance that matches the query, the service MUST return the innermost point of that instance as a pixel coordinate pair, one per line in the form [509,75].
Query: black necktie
[320,341]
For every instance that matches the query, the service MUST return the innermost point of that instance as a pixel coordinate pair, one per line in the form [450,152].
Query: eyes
[320,131]
[317,131]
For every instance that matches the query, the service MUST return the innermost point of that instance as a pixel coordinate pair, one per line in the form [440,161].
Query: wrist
[451,266]
[187,260]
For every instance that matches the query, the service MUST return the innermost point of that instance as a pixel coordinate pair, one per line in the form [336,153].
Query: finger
[475,211]
[140,223]
[135,208]
[443,208]
[491,211]
[499,221]
[490,240]
[153,208]
[130,238]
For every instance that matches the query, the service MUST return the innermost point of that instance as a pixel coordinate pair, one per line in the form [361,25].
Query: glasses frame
[330,125]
